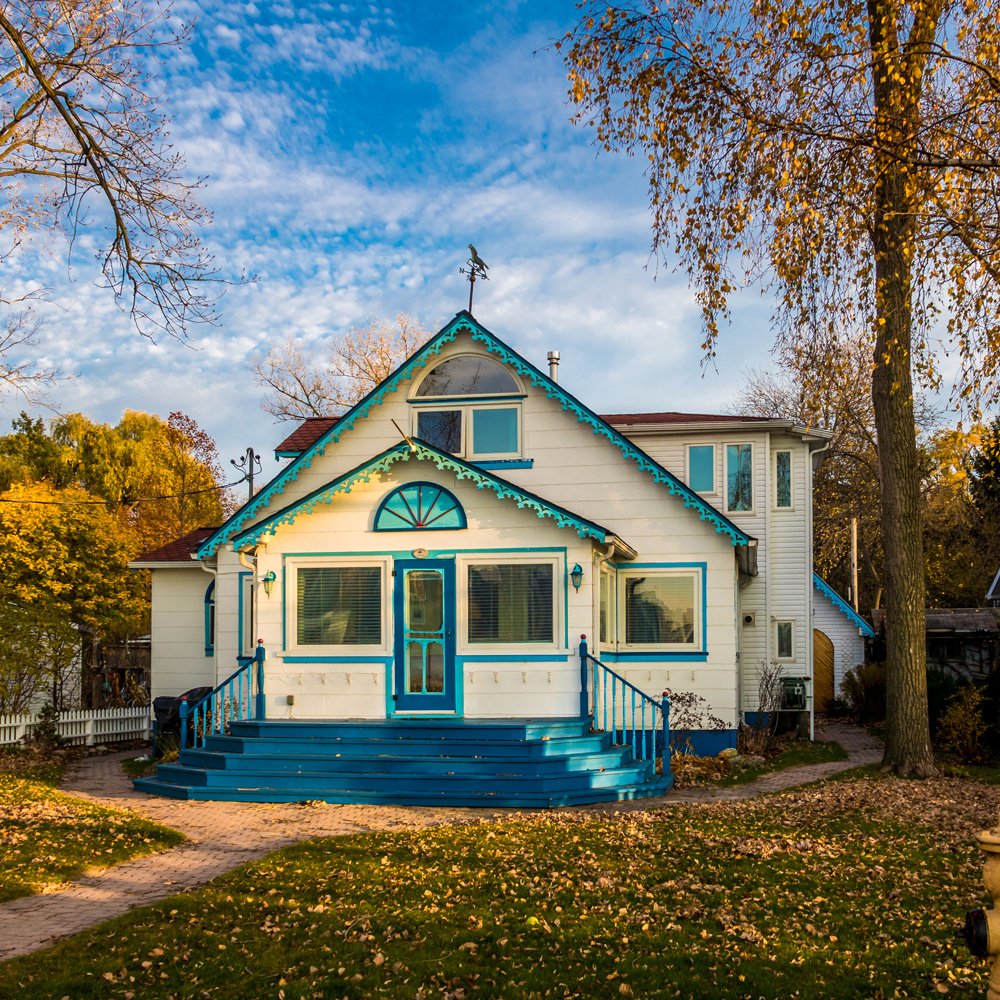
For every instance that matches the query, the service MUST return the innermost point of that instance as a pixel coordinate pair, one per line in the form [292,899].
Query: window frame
[608,577]
[791,480]
[467,407]
[790,622]
[698,572]
[556,561]
[519,392]
[211,619]
[687,458]
[341,650]
[753,486]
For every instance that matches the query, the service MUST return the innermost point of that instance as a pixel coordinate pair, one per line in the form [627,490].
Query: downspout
[213,572]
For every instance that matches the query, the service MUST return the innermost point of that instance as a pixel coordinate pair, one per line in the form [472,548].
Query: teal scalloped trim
[465,322]
[442,461]
[838,602]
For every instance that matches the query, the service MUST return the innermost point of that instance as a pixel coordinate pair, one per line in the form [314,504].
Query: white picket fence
[86,727]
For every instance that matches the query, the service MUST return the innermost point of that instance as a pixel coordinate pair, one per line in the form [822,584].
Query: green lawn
[849,889]
[47,838]
[795,754]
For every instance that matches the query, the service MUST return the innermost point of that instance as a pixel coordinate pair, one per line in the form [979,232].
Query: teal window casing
[701,467]
[783,480]
[419,506]
[739,478]
[210,619]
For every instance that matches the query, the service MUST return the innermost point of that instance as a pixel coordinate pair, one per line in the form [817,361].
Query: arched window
[419,506]
[210,619]
[470,406]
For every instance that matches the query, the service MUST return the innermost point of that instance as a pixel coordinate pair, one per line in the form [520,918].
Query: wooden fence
[87,727]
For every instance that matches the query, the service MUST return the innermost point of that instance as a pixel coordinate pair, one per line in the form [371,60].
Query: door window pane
[442,429]
[660,609]
[339,606]
[739,477]
[701,468]
[494,431]
[424,600]
[510,603]
[783,478]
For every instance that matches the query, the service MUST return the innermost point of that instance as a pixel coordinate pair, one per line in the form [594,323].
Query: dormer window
[470,406]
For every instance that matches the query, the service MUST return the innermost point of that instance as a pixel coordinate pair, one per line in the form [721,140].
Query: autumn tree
[84,145]
[299,385]
[843,154]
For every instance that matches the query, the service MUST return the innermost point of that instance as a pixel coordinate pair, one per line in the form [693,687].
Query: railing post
[183,709]
[259,657]
[583,677]
[665,716]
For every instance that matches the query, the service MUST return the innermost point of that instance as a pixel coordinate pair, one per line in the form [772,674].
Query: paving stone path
[224,835]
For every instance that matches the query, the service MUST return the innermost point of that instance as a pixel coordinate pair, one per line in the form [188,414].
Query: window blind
[339,606]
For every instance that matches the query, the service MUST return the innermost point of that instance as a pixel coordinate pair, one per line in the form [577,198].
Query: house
[839,635]
[422,570]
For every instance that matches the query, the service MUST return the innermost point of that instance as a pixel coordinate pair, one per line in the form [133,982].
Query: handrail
[234,699]
[627,717]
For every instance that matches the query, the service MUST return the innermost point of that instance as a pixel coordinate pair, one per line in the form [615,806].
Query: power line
[124,502]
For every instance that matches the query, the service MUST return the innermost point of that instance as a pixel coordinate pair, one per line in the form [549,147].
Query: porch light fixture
[576,576]
[268,580]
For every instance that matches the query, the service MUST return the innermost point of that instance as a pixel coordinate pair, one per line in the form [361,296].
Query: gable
[842,606]
[463,323]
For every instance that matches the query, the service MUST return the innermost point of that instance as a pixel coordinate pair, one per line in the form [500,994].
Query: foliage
[842,891]
[47,838]
[84,146]
[64,551]
[864,692]
[942,686]
[756,732]
[962,729]
[45,732]
[39,649]
[690,711]
[723,771]
[298,386]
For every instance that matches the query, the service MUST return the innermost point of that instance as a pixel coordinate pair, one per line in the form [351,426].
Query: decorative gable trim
[441,460]
[465,323]
[842,606]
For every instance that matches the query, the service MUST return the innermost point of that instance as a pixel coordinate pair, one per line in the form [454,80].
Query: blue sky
[351,151]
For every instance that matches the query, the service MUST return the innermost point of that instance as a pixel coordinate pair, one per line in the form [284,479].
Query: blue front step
[431,761]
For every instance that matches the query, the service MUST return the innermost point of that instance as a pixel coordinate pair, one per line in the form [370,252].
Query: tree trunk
[908,745]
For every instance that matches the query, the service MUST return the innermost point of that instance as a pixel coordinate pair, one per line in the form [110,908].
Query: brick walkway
[224,835]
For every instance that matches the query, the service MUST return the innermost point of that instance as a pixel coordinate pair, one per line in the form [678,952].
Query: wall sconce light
[268,580]
[576,576]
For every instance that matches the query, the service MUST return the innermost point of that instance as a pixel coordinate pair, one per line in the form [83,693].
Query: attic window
[468,375]
[419,506]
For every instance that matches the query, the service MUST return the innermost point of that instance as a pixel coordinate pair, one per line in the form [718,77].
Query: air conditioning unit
[749,618]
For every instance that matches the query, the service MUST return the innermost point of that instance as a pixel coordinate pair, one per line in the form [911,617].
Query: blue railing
[616,706]
[239,696]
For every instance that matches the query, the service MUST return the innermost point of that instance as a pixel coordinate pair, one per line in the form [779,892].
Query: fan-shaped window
[468,375]
[419,506]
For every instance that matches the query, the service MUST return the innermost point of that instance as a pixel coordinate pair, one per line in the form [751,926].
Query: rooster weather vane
[475,267]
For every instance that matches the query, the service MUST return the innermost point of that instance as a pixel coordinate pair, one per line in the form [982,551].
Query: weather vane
[476,267]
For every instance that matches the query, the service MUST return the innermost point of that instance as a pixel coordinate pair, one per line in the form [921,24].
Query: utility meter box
[793,693]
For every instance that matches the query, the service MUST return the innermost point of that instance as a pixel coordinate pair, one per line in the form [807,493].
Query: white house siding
[178,660]
[848,643]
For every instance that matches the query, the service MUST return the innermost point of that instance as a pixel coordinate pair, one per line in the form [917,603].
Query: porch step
[431,761]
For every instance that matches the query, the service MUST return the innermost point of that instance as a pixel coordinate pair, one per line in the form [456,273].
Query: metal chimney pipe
[554,365]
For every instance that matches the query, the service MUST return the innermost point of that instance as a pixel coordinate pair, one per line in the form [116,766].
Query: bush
[45,733]
[942,686]
[864,692]
[962,729]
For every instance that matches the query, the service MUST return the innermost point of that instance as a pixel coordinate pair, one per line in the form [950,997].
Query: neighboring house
[961,641]
[993,594]
[428,562]
[839,635]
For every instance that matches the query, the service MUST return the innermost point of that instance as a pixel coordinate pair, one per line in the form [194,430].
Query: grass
[841,890]
[796,753]
[48,838]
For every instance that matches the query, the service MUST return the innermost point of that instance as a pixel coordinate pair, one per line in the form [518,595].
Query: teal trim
[464,323]
[286,454]
[210,619]
[511,658]
[421,451]
[337,659]
[506,463]
[632,657]
[841,605]
[419,506]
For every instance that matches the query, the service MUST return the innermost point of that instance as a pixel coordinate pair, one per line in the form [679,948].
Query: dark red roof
[308,432]
[675,418]
[179,550]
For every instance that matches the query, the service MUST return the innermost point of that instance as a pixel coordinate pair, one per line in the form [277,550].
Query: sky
[350,152]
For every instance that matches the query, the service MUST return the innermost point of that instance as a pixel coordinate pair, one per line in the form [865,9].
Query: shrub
[942,686]
[45,733]
[962,729]
[864,692]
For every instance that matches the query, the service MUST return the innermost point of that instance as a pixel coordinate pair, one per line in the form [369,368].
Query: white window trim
[611,625]
[791,657]
[559,584]
[292,648]
[714,491]
[791,479]
[753,477]
[466,408]
[698,629]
